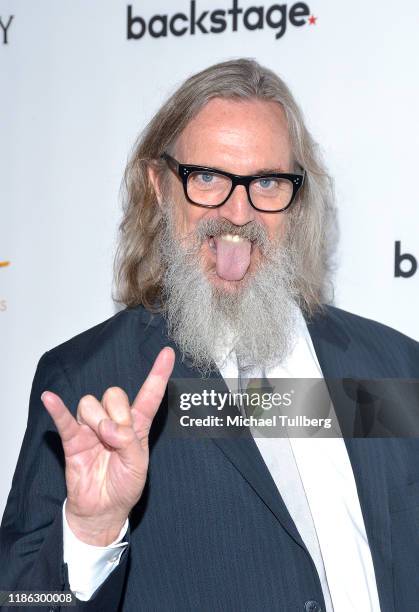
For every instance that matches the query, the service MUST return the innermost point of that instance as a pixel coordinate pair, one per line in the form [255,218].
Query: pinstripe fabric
[211,531]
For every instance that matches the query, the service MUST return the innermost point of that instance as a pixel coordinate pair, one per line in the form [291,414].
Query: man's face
[241,137]
[228,281]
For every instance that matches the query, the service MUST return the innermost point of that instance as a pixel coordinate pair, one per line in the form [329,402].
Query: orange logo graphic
[3,264]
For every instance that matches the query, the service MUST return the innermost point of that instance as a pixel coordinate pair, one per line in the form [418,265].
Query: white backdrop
[75,91]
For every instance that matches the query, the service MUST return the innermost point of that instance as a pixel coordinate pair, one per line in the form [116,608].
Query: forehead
[238,134]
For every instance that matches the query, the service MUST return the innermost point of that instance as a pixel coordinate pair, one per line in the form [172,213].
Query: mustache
[253,231]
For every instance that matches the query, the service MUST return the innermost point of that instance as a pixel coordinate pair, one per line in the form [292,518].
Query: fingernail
[111,425]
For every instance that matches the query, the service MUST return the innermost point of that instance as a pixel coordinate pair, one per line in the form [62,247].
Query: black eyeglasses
[211,188]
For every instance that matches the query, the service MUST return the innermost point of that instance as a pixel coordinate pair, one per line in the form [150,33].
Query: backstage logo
[203,21]
[5,23]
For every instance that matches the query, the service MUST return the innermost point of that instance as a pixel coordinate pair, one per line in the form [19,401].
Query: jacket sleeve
[31,532]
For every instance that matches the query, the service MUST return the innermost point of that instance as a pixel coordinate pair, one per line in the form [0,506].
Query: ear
[154,177]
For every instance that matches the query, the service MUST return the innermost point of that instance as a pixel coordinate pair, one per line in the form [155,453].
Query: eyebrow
[269,170]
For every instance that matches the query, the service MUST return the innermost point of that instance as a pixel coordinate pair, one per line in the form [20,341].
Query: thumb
[122,438]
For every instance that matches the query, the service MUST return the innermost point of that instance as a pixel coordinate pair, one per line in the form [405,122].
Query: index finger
[150,395]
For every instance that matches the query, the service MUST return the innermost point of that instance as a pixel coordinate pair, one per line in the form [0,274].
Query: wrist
[96,531]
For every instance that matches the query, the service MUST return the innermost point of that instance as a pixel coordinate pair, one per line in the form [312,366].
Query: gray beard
[257,322]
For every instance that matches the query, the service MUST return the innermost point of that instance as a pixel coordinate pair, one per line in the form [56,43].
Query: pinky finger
[65,423]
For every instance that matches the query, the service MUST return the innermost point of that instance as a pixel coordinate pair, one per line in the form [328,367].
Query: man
[223,265]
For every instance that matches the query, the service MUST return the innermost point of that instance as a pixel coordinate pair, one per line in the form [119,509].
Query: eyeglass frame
[184,170]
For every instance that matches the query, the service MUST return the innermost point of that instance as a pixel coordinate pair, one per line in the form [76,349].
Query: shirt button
[312,606]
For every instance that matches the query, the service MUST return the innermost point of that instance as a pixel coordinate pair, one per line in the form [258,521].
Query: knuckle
[84,404]
[113,394]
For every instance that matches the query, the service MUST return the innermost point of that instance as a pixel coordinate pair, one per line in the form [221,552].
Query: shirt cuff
[89,566]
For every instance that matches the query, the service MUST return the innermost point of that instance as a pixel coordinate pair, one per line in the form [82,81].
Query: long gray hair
[312,229]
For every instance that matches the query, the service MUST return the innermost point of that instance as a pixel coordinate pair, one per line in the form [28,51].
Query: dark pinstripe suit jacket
[211,531]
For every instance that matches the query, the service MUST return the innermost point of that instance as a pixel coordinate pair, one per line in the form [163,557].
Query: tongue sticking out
[233,257]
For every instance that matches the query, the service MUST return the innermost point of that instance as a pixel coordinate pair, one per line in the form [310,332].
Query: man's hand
[106,452]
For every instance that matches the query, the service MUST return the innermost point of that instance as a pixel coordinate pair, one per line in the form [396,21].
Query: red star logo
[312,20]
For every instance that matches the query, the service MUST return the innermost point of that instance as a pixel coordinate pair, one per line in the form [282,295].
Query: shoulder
[361,325]
[116,352]
[114,337]
[368,337]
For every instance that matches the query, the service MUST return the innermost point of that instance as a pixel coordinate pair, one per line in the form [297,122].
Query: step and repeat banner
[79,80]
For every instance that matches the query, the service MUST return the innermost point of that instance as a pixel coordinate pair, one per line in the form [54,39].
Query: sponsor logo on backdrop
[3,303]
[5,23]
[405,264]
[201,20]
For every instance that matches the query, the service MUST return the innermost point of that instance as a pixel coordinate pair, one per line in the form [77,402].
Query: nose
[238,209]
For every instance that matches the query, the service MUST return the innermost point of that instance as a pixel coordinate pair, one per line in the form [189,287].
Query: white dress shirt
[89,566]
[334,533]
